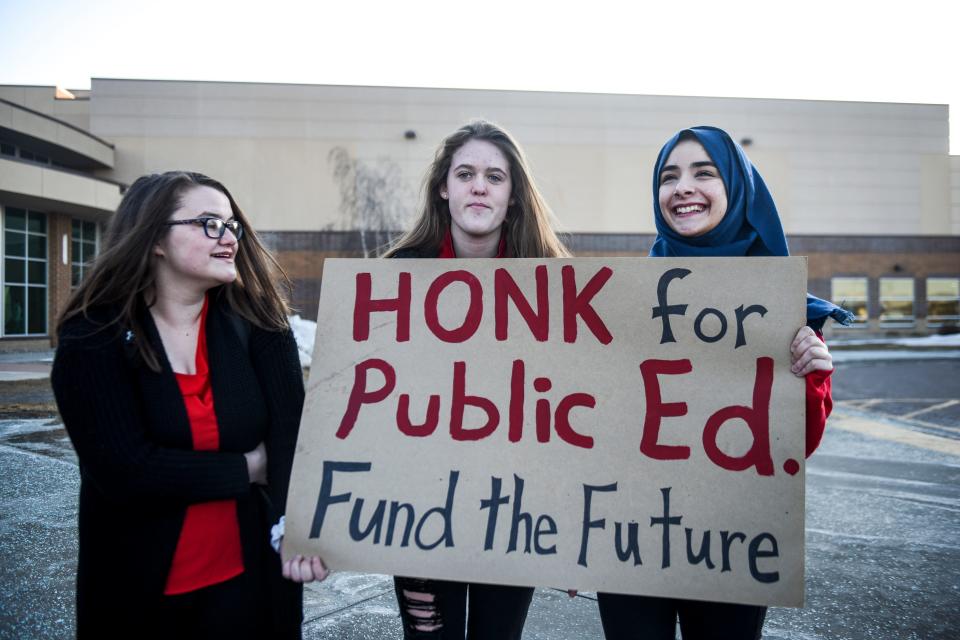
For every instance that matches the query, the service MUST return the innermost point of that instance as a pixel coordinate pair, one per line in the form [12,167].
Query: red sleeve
[819,406]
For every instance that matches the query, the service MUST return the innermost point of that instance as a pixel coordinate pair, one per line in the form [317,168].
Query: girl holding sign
[710,201]
[179,383]
[480,201]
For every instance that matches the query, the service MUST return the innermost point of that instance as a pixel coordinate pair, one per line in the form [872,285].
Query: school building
[867,190]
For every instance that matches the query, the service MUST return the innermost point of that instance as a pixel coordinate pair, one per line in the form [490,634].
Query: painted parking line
[876,407]
[866,403]
[887,431]
[936,407]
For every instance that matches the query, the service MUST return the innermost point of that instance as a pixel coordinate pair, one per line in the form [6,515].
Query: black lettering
[698,329]
[587,522]
[493,504]
[663,310]
[666,521]
[375,524]
[743,313]
[550,531]
[704,554]
[726,539]
[754,552]
[632,547]
[326,498]
[518,517]
[446,513]
[395,509]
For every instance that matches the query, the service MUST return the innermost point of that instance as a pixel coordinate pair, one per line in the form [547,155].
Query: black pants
[646,618]
[497,612]
[236,608]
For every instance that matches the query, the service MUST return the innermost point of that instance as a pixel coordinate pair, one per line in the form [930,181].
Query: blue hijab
[751,226]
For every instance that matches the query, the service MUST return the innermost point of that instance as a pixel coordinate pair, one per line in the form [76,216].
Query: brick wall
[302,254]
[58,274]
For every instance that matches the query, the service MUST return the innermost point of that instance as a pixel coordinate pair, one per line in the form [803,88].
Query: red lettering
[657,409]
[505,287]
[363,306]
[578,304]
[462,400]
[517,375]
[430,422]
[543,420]
[471,320]
[360,396]
[562,419]
[543,409]
[757,419]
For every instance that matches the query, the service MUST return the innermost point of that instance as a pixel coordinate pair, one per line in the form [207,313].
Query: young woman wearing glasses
[178,381]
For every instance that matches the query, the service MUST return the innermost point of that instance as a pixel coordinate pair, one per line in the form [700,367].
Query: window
[32,156]
[24,272]
[896,302]
[10,149]
[851,294]
[943,301]
[83,249]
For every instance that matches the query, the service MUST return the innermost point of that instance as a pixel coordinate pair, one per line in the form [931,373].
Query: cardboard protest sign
[624,424]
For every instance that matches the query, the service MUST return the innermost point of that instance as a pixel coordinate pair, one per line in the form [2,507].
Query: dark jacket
[138,469]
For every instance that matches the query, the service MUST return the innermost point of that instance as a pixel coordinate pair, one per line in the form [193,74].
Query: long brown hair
[123,279]
[529,232]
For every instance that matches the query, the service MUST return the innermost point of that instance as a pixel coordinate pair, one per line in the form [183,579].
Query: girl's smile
[692,196]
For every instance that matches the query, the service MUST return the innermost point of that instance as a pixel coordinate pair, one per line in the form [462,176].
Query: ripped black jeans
[438,609]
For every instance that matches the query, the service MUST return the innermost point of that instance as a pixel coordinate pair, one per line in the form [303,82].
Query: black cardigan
[138,469]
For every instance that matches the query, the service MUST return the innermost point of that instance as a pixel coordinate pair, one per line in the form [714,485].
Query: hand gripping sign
[627,425]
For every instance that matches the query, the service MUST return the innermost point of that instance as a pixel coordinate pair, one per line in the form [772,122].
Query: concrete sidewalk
[25,365]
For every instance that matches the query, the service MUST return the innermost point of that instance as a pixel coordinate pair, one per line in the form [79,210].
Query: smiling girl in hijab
[710,201]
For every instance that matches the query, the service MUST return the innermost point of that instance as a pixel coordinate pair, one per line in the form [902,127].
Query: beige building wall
[833,167]
[44,188]
[865,190]
[55,132]
[75,112]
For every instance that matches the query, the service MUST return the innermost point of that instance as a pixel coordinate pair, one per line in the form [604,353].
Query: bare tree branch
[373,197]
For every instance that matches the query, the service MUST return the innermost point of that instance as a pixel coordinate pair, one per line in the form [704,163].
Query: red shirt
[208,550]
[447,250]
[819,405]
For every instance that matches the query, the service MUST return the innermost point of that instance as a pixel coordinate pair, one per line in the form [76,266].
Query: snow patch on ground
[925,341]
[304,331]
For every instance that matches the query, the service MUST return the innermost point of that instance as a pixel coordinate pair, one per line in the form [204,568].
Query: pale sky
[818,50]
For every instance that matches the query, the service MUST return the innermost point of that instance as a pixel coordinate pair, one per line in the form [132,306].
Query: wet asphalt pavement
[883,525]
[926,393]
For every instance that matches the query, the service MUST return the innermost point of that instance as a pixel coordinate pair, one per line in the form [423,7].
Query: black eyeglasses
[213,228]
